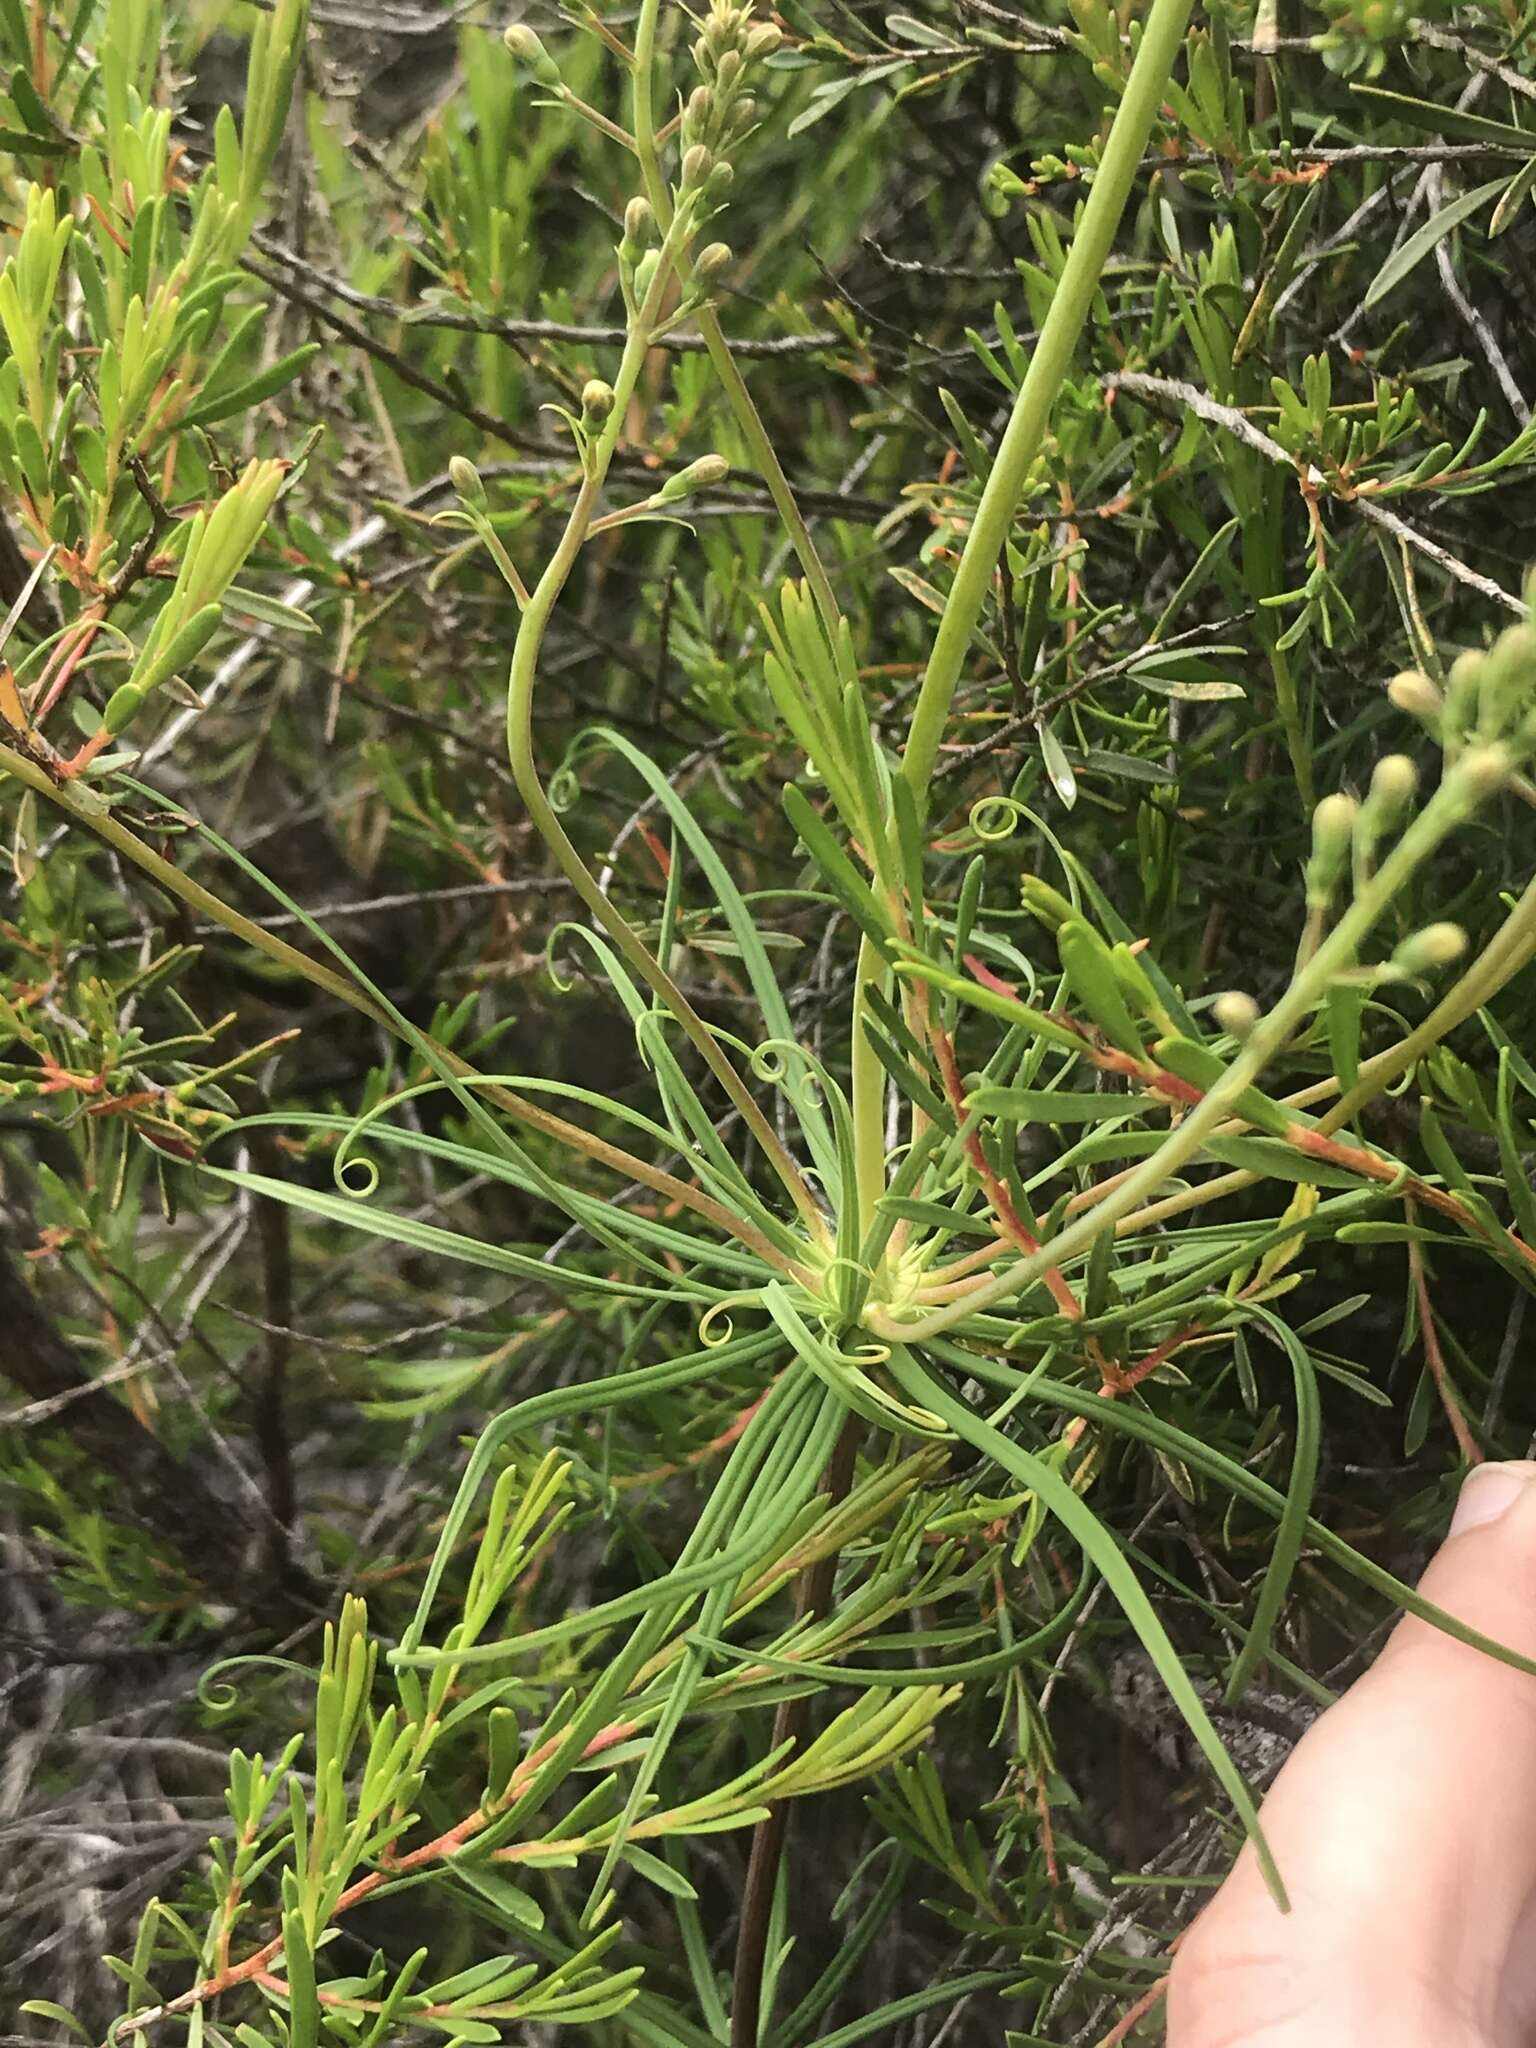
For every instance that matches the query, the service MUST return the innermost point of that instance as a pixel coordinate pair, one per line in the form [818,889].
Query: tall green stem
[521,684]
[748,420]
[1048,367]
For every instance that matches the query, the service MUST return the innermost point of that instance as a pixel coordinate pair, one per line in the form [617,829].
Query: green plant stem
[1511,948]
[1288,704]
[521,684]
[748,420]
[1048,368]
[1337,952]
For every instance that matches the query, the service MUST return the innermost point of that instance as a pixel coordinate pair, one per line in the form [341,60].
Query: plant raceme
[863,1255]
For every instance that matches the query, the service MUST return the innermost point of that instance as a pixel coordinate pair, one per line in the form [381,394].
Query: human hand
[1404,1826]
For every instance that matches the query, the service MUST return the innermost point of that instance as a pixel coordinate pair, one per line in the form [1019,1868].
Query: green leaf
[1285,1550]
[1402,262]
[221,405]
[1058,767]
[45,2009]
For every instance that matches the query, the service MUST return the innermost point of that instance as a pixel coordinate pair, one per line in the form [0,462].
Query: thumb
[1404,1826]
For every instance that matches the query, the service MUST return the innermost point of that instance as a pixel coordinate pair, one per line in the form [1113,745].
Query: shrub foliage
[767,1091]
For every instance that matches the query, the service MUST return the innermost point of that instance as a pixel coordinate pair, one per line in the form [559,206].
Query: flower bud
[729,69]
[697,164]
[763,40]
[712,261]
[1236,1012]
[527,49]
[638,220]
[596,399]
[1333,831]
[1437,945]
[698,113]
[698,476]
[466,479]
[1413,692]
[743,114]
[1393,783]
[718,184]
[704,58]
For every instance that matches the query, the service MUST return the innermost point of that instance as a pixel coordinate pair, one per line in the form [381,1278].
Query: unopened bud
[1437,945]
[466,479]
[698,476]
[596,399]
[711,261]
[698,113]
[1393,782]
[637,220]
[1333,831]
[743,114]
[1413,692]
[528,49]
[1236,1012]
[697,164]
[763,40]
[704,58]
[728,71]
[719,183]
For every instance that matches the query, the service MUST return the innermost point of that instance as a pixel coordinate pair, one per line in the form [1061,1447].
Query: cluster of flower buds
[1485,716]
[720,111]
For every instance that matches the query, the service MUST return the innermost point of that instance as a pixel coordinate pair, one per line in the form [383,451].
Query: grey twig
[1176,392]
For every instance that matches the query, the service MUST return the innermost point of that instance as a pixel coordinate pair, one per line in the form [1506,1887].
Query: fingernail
[1489,1491]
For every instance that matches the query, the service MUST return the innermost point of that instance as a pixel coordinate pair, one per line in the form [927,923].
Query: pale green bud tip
[713,260]
[596,398]
[697,164]
[1333,830]
[1236,1012]
[1333,823]
[1393,779]
[637,219]
[465,478]
[764,39]
[528,49]
[698,476]
[1437,945]
[1413,692]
